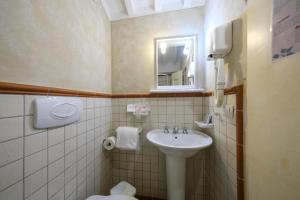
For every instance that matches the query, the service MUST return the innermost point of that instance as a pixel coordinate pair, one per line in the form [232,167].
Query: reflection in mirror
[176,62]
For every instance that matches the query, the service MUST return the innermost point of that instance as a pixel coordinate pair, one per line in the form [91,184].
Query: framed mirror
[175,62]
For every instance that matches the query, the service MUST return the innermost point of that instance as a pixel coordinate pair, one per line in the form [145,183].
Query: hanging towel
[128,138]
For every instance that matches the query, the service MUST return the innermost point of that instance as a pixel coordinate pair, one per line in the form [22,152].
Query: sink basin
[178,147]
[182,145]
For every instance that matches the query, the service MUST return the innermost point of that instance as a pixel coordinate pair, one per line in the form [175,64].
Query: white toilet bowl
[122,191]
[111,197]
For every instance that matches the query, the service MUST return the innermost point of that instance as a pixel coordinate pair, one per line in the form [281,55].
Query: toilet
[122,191]
[111,197]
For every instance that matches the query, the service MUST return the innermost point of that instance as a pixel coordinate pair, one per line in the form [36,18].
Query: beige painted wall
[273,137]
[133,47]
[55,43]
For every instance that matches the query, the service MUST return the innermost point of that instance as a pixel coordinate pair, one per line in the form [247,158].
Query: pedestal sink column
[175,177]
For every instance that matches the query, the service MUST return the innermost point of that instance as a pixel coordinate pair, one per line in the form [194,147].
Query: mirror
[175,62]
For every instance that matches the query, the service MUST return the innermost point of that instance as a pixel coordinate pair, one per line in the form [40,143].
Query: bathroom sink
[181,145]
[178,147]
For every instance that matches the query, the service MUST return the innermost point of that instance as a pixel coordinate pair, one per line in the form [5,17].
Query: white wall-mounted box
[56,111]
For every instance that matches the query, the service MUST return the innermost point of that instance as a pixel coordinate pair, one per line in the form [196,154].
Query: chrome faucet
[175,130]
[166,130]
[185,131]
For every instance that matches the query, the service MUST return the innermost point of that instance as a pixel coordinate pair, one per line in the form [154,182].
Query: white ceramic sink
[182,145]
[178,147]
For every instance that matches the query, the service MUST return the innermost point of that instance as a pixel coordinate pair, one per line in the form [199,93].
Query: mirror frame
[174,87]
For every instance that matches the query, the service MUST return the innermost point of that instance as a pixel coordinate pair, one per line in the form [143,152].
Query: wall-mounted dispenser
[220,41]
[220,45]
[139,109]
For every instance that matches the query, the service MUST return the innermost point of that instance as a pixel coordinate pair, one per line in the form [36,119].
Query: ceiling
[122,9]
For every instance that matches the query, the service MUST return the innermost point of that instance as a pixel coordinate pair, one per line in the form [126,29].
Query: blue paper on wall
[285,28]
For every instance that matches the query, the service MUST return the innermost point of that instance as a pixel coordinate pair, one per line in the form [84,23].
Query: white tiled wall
[221,157]
[69,162]
[65,163]
[145,169]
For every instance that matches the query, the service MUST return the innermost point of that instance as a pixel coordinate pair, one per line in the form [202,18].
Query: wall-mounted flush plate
[56,111]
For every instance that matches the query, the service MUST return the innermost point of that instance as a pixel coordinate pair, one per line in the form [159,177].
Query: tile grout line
[23,147]
[94,147]
[35,191]
[86,153]
[76,178]
[13,116]
[11,139]
[47,165]
[14,183]
[11,162]
[94,158]
[64,162]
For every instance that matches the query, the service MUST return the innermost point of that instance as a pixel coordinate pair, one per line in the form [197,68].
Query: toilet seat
[111,197]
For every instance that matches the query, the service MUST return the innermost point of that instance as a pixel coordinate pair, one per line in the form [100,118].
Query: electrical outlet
[230,110]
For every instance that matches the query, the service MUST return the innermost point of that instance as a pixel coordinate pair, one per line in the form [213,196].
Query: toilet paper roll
[109,143]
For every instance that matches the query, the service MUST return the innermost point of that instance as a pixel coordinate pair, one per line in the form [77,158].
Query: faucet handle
[166,130]
[175,130]
[184,130]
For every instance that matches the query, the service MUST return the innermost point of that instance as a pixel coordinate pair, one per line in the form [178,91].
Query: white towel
[128,138]
[141,109]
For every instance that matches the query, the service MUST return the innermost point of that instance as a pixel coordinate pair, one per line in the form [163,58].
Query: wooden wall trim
[240,141]
[156,95]
[14,88]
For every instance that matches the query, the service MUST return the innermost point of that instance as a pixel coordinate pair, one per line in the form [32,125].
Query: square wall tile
[59,195]
[70,131]
[11,151]
[41,194]
[70,173]
[10,174]
[70,145]
[56,135]
[70,187]
[81,140]
[55,185]
[55,152]
[11,128]
[72,196]
[11,105]
[35,143]
[55,168]
[35,181]
[70,159]
[35,162]
[81,190]
[14,192]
